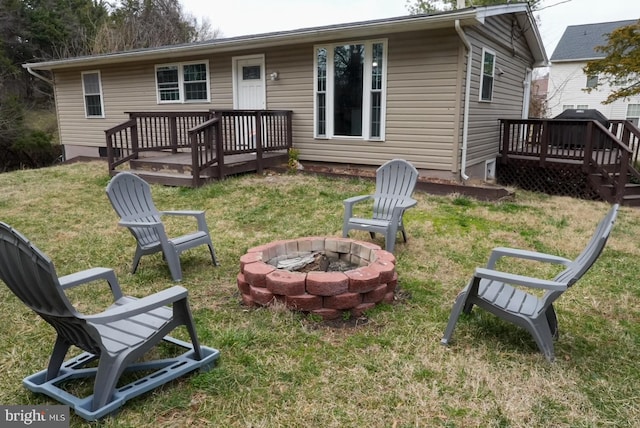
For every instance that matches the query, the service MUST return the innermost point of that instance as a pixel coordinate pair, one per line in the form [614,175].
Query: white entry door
[248,94]
[249,83]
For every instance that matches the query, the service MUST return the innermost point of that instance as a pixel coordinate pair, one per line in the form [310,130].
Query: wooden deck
[193,148]
[578,158]
[175,169]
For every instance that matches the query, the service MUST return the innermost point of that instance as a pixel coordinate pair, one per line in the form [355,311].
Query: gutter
[39,76]
[467,92]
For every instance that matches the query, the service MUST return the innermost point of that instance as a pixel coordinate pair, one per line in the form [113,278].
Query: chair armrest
[199,215]
[354,199]
[500,252]
[150,224]
[526,281]
[183,212]
[90,275]
[140,306]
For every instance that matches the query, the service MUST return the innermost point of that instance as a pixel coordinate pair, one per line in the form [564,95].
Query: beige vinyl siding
[420,109]
[125,89]
[512,57]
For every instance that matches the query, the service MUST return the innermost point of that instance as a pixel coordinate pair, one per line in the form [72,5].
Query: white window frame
[485,52]
[635,117]
[85,94]
[182,96]
[592,81]
[366,90]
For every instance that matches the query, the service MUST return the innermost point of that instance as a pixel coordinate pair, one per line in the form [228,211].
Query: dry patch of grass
[279,368]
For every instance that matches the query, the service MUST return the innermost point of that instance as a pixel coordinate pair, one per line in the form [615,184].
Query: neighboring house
[539,90]
[568,80]
[361,93]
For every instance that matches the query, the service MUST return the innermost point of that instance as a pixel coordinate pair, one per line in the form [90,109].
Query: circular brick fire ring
[327,294]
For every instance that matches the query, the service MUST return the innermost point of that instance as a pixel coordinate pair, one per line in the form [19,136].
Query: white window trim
[493,74]
[84,95]
[180,66]
[366,95]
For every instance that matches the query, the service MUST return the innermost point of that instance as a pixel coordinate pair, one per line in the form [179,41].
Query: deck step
[167,179]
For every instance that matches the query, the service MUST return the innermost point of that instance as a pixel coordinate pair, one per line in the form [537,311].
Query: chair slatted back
[31,276]
[592,251]
[395,182]
[131,198]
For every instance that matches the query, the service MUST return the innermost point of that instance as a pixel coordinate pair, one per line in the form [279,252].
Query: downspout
[39,76]
[467,92]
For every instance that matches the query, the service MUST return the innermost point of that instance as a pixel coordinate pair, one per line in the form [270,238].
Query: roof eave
[260,41]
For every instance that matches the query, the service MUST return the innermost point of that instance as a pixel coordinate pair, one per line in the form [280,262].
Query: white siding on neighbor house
[512,59]
[567,82]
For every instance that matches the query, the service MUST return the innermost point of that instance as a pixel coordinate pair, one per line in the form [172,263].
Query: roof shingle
[579,41]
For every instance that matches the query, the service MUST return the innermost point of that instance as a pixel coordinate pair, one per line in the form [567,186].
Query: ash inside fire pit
[311,262]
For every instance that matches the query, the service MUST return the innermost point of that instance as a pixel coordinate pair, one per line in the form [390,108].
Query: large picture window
[488,74]
[350,90]
[183,83]
[92,91]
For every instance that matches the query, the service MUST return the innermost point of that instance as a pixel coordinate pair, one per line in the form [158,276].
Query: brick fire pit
[371,280]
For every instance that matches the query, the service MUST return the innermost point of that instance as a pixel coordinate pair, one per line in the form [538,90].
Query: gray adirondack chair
[130,197]
[503,294]
[395,183]
[116,337]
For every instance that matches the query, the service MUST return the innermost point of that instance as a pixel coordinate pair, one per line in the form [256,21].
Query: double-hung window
[183,83]
[92,91]
[488,75]
[350,90]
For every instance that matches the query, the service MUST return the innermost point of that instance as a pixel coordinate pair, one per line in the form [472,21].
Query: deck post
[544,143]
[173,133]
[588,148]
[258,141]
[219,145]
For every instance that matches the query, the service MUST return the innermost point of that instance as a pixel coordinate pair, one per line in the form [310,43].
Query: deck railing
[210,136]
[587,143]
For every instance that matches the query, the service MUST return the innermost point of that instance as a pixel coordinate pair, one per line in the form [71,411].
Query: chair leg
[552,319]
[459,304]
[185,313]
[372,235]
[107,376]
[173,260]
[57,357]
[541,333]
[136,260]
[213,255]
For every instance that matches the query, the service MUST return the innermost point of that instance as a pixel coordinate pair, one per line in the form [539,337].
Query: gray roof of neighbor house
[465,17]
[579,41]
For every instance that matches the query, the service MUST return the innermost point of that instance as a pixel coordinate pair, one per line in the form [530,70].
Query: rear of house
[361,93]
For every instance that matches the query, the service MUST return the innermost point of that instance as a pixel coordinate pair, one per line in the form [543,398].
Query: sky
[262,16]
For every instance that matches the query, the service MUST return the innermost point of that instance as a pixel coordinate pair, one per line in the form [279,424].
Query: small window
[487,75]
[92,91]
[251,72]
[567,107]
[592,81]
[582,106]
[180,83]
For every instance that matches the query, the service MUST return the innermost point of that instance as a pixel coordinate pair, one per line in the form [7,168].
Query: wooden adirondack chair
[130,197]
[395,182]
[501,293]
[117,337]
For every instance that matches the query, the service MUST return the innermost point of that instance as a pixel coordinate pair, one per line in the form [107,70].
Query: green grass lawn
[283,369]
